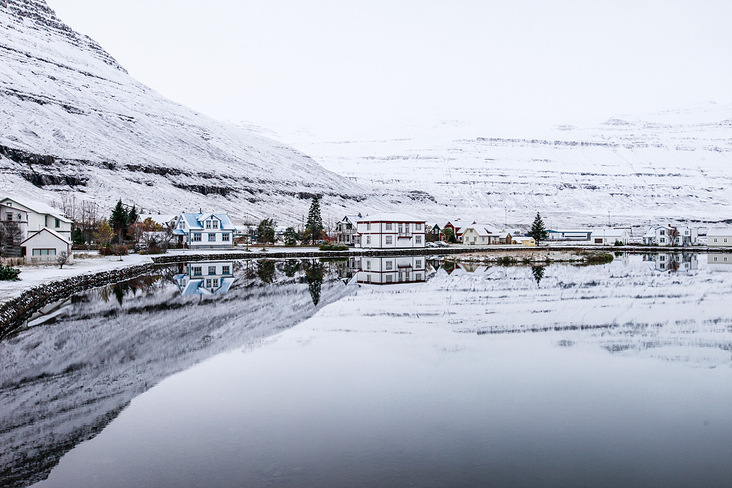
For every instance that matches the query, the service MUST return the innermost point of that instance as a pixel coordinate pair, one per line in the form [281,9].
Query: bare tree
[10,235]
[62,258]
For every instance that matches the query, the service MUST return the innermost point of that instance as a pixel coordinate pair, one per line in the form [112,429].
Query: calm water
[293,373]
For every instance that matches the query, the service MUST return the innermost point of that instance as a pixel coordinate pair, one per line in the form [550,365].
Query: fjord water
[614,375]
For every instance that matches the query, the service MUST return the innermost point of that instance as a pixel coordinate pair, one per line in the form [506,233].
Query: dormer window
[215,224]
[208,224]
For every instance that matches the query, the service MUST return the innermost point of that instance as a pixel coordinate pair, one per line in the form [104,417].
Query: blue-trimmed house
[205,231]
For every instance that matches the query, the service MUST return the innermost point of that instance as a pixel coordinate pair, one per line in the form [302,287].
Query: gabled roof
[194,220]
[351,218]
[46,229]
[158,219]
[610,232]
[390,217]
[484,230]
[719,231]
[38,207]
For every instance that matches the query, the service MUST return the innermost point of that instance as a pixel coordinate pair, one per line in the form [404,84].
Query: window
[387,240]
[212,237]
[418,276]
[208,283]
[368,264]
[388,226]
[389,279]
[662,240]
[225,237]
[418,263]
[58,223]
[715,258]
[368,239]
[44,252]
[197,271]
[212,270]
[208,224]
[663,233]
[417,226]
[715,239]
[725,239]
[418,239]
[368,225]
[224,270]
[196,237]
[10,216]
[215,224]
[215,282]
[388,265]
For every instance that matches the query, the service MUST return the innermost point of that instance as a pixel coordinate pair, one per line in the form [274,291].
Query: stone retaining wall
[15,312]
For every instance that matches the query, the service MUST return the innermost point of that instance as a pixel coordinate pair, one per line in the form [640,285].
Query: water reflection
[390,385]
[720,262]
[673,262]
[205,278]
[392,270]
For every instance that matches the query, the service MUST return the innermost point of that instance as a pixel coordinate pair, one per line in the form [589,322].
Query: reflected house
[720,261]
[673,261]
[391,270]
[205,278]
[348,268]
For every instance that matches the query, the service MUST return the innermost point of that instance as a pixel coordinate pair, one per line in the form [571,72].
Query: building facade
[37,216]
[608,237]
[45,246]
[346,230]
[205,231]
[719,237]
[390,231]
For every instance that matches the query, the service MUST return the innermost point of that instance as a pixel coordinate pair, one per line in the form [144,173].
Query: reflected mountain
[63,382]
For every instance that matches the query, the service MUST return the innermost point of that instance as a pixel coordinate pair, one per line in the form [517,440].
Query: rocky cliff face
[73,120]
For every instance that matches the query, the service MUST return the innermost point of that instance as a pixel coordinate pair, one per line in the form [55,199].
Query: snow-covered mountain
[670,166]
[73,120]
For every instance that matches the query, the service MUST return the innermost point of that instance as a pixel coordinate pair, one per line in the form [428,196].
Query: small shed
[45,246]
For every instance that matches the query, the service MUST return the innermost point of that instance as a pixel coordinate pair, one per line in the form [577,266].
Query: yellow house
[526,241]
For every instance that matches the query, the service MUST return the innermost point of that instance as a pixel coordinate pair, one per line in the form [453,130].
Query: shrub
[105,251]
[120,250]
[599,258]
[333,247]
[8,273]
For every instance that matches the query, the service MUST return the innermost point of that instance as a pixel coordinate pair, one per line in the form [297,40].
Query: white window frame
[212,237]
[388,239]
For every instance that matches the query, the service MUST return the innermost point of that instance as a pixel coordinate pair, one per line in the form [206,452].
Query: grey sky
[351,67]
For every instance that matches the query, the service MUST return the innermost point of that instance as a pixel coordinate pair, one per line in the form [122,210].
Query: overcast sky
[346,68]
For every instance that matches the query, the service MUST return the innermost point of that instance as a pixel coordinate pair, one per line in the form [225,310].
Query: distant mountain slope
[74,120]
[629,170]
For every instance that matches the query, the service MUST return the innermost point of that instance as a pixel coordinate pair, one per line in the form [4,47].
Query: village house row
[43,232]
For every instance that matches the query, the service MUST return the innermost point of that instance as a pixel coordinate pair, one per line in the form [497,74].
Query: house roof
[351,218]
[46,229]
[391,217]
[719,231]
[484,230]
[194,220]
[610,232]
[38,207]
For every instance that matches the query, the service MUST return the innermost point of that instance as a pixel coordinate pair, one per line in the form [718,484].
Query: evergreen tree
[314,225]
[291,236]
[538,231]
[266,231]
[78,237]
[118,220]
[132,216]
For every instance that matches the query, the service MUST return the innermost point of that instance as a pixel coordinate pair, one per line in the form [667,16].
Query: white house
[608,237]
[205,231]
[674,262]
[719,237]
[390,231]
[568,235]
[484,234]
[346,230]
[37,217]
[206,278]
[44,247]
[667,235]
[390,270]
